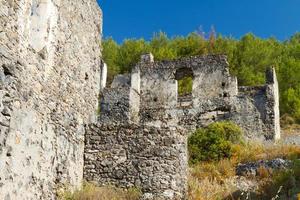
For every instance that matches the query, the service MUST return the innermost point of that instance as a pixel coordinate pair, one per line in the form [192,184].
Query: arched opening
[184,77]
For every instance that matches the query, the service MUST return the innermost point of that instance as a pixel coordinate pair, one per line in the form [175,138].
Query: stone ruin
[50,80]
[140,138]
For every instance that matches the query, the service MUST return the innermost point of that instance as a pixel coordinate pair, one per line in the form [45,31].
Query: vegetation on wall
[248,58]
[185,86]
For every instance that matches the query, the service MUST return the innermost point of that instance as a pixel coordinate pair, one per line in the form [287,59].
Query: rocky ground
[251,169]
[248,175]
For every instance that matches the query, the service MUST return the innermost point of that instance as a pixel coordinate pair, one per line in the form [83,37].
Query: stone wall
[129,155]
[212,88]
[215,96]
[256,109]
[49,85]
[249,111]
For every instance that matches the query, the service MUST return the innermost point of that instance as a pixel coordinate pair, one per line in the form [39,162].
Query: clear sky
[141,18]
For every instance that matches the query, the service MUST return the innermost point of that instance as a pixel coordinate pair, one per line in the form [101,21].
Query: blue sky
[141,18]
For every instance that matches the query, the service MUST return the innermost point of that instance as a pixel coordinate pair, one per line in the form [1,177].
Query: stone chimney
[147,58]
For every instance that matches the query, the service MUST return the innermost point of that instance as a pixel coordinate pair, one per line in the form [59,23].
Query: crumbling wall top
[147,58]
[195,62]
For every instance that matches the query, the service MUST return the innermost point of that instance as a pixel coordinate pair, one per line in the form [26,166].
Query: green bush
[214,142]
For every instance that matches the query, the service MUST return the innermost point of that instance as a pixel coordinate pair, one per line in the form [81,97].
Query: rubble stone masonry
[49,83]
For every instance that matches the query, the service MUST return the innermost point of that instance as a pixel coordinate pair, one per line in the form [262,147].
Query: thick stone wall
[49,85]
[128,155]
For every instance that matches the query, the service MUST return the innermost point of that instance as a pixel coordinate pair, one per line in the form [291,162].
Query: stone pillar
[273,117]
[134,95]
[103,77]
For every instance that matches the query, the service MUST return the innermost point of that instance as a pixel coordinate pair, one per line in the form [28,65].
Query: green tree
[253,55]
[226,46]
[110,56]
[161,48]
[130,52]
[191,45]
[212,40]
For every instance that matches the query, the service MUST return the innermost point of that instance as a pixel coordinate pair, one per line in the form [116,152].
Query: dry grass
[264,173]
[292,129]
[286,120]
[250,152]
[209,189]
[214,171]
[253,152]
[214,180]
[289,125]
[91,192]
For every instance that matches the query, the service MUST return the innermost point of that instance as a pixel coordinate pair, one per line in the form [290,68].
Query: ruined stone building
[149,96]
[141,136]
[51,75]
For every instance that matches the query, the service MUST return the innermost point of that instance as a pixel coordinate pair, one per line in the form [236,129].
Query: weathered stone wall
[159,87]
[215,96]
[120,102]
[249,111]
[128,155]
[49,85]
[256,109]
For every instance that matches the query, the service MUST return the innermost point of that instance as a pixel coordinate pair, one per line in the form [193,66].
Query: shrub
[214,142]
[228,130]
